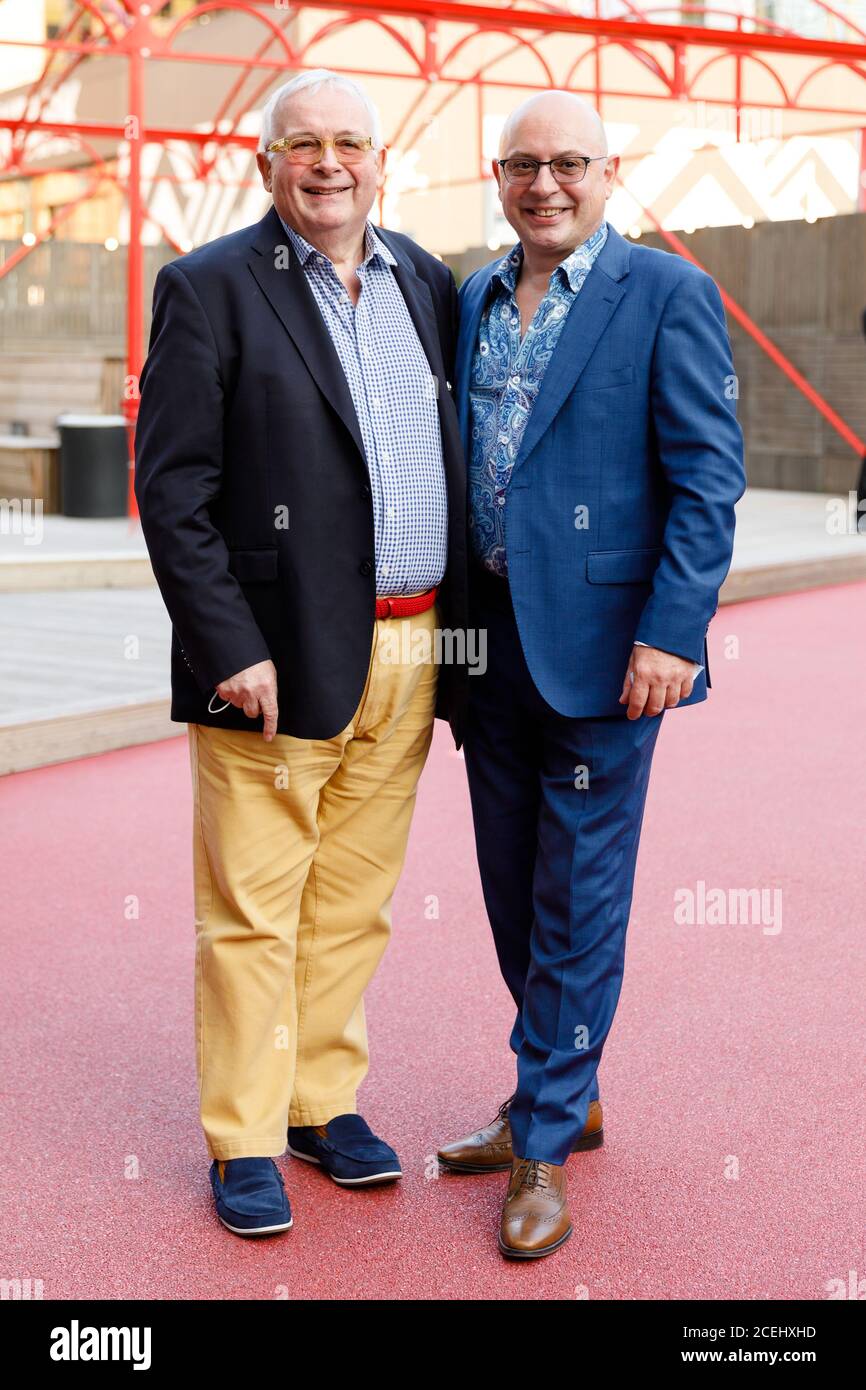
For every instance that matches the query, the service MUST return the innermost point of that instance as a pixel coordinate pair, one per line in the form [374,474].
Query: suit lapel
[419,302]
[286,288]
[284,284]
[471,308]
[587,320]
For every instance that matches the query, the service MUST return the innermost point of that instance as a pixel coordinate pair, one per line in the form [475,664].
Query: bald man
[594,385]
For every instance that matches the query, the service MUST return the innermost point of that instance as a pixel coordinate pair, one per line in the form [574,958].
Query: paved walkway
[72,535]
[732,1082]
[81,649]
[777,527]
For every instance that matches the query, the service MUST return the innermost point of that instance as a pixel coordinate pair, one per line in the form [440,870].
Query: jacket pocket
[601,379]
[254,566]
[622,566]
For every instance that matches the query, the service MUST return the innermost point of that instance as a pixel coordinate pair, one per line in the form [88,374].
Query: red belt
[401,607]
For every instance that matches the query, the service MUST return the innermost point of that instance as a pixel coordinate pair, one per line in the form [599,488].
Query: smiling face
[325,202]
[552,218]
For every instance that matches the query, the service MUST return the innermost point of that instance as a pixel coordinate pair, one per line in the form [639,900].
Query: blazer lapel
[284,285]
[419,302]
[587,319]
[472,303]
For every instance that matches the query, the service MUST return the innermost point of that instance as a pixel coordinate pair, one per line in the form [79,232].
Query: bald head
[563,119]
[554,210]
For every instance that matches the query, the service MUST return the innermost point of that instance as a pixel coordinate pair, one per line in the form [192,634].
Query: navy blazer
[245,411]
[633,432]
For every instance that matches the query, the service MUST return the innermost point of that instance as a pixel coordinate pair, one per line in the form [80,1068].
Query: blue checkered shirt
[395,399]
[506,378]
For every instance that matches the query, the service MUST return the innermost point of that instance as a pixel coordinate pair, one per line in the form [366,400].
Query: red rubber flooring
[732,1082]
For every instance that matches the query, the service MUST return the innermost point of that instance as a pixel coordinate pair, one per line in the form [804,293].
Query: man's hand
[255,692]
[661,680]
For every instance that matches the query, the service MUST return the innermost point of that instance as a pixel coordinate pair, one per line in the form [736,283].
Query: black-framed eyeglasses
[566,168]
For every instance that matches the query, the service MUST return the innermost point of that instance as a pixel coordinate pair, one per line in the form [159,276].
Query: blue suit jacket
[635,422]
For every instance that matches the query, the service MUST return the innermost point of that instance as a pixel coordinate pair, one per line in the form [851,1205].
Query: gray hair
[311,82]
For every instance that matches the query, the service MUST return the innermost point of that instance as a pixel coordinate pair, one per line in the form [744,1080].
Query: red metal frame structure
[433,40]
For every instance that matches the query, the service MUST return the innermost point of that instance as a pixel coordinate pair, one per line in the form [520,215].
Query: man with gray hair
[301,487]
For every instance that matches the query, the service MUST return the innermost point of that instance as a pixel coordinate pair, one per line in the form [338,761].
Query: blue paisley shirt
[505,381]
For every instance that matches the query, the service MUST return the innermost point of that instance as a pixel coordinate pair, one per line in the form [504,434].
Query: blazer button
[366,567]
[364,493]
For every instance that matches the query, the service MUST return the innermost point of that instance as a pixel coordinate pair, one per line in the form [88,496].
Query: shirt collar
[569,270]
[373,246]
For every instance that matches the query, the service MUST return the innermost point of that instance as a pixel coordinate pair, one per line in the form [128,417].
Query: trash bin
[94,465]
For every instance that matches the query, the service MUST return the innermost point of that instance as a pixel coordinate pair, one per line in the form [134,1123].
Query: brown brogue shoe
[535,1217]
[489,1149]
[486,1151]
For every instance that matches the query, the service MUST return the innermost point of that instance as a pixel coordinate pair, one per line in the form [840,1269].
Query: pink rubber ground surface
[730,1042]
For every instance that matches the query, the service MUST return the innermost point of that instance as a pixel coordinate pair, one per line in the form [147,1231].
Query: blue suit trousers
[557,804]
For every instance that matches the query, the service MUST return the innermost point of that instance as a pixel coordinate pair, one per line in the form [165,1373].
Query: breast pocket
[605,378]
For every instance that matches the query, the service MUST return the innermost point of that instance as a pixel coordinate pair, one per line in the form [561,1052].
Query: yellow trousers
[297,848]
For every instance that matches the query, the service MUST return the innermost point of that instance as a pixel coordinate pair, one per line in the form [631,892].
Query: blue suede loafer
[347,1149]
[250,1197]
